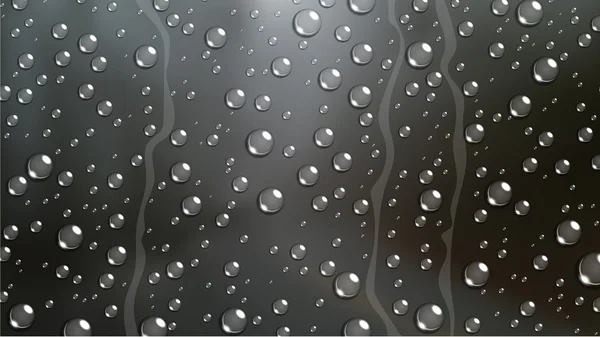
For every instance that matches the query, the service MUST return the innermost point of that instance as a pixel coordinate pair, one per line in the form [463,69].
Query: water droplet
[360,96]
[429,318]
[527,308]
[470,88]
[21,316]
[17,186]
[500,7]
[585,135]
[420,6]
[154,326]
[347,285]
[215,37]
[60,31]
[361,207]
[281,66]
[584,40]
[499,193]
[419,55]
[362,53]
[39,166]
[472,325]
[540,262]
[496,50]
[146,57]
[530,13]
[235,98]
[77,327]
[175,270]
[307,22]
[520,106]
[70,237]
[568,233]
[466,28]
[111,311]
[233,321]
[270,200]
[430,200]
[260,143]
[324,137]
[191,205]
[361,6]
[474,133]
[330,79]
[476,274]
[88,43]
[280,306]
[343,33]
[357,327]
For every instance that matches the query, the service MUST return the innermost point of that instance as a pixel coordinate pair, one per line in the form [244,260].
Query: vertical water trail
[379,187]
[168,122]
[459,149]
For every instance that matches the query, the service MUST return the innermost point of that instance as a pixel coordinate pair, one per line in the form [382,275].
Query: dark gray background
[504,147]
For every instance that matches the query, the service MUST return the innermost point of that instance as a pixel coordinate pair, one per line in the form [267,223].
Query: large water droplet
[270,200]
[474,133]
[281,66]
[568,233]
[233,321]
[545,70]
[540,262]
[280,306]
[429,317]
[21,316]
[357,327]
[60,31]
[191,205]
[430,200]
[362,53]
[215,37]
[520,106]
[527,308]
[116,255]
[419,55]
[530,13]
[17,186]
[88,43]
[235,98]
[308,175]
[70,237]
[324,137]
[499,193]
[361,6]
[260,143]
[347,285]
[161,5]
[146,57]
[153,326]
[500,7]
[476,274]
[360,96]
[39,166]
[307,22]
[472,325]
[342,161]
[77,327]
[330,79]
[181,172]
